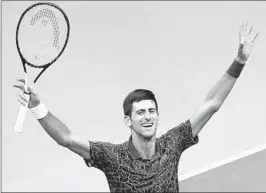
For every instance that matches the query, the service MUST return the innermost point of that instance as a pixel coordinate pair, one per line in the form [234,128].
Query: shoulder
[108,150]
[104,154]
[177,130]
[107,146]
[180,135]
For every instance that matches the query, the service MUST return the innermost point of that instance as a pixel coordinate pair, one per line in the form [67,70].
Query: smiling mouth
[147,125]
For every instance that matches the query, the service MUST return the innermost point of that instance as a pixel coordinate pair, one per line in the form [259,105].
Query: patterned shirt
[126,171]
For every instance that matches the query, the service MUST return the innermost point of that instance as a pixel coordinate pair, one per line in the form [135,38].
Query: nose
[147,116]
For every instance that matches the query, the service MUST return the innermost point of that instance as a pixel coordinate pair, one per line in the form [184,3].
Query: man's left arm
[217,95]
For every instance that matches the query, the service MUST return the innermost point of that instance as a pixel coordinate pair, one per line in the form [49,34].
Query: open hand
[246,39]
[33,100]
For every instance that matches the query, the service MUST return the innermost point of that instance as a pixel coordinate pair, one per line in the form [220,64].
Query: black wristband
[235,69]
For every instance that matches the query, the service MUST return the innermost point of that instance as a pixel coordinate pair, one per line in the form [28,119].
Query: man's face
[144,118]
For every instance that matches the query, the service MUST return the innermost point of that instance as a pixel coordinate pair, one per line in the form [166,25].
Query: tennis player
[144,163]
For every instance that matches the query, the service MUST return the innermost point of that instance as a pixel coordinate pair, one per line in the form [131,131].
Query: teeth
[147,125]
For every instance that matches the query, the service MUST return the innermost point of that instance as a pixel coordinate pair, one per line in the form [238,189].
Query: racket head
[40,46]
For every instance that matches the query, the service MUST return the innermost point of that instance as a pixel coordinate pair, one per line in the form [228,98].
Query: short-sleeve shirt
[126,171]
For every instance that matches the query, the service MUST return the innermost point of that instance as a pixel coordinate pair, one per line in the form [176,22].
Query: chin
[148,134]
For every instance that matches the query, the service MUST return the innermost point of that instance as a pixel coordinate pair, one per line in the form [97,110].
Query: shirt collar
[135,154]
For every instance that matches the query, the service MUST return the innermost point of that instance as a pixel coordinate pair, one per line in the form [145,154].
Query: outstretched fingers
[245,27]
[28,89]
[254,38]
[21,87]
[242,31]
[250,30]
[245,31]
[22,80]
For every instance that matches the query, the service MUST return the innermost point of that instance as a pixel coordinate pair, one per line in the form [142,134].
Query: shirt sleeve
[103,156]
[181,136]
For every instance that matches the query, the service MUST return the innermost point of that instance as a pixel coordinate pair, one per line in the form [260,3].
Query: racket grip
[21,117]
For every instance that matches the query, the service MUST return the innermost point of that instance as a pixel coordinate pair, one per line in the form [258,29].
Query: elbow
[212,106]
[215,106]
[64,141]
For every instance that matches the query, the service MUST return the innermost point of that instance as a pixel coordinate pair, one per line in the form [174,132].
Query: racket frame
[23,109]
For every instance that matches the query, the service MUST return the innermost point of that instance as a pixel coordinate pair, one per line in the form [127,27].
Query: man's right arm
[64,137]
[95,154]
[52,125]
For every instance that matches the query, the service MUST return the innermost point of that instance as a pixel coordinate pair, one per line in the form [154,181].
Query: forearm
[220,91]
[56,129]
[217,95]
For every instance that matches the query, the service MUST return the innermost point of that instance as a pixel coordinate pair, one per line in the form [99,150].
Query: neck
[145,147]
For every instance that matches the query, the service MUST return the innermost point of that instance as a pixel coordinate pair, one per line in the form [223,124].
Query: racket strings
[42,35]
[51,16]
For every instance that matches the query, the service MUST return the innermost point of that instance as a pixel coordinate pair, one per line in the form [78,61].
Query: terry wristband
[40,111]
[235,69]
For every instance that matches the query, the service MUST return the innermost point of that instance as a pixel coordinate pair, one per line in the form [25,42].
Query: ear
[127,121]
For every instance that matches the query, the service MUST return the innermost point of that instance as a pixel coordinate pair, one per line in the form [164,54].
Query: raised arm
[217,95]
[52,125]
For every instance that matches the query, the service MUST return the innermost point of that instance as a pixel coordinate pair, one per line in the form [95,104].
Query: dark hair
[136,96]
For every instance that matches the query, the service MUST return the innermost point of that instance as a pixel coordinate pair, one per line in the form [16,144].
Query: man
[144,163]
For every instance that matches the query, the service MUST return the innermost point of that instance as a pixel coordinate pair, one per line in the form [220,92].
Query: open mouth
[147,125]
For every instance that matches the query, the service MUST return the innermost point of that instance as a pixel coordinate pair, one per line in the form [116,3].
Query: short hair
[136,96]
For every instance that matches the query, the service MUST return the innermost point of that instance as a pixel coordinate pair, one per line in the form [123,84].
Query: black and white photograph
[133,96]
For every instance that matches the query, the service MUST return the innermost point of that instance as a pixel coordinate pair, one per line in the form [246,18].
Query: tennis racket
[41,37]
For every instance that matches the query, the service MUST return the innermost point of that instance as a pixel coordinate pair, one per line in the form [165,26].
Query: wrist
[34,104]
[241,60]
[235,69]
[39,111]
